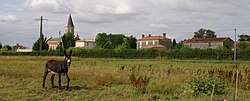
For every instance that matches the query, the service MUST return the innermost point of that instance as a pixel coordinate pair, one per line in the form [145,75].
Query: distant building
[24,50]
[158,42]
[69,28]
[53,43]
[238,43]
[86,44]
[20,48]
[208,42]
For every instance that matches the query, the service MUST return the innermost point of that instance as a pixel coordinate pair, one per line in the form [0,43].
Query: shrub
[243,54]
[205,85]
[6,48]
[184,53]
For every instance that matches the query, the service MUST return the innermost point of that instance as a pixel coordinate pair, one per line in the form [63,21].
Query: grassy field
[108,79]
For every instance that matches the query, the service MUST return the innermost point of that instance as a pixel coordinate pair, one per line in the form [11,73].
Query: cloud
[53,6]
[85,10]
[10,18]
[159,25]
[113,9]
[178,18]
[123,9]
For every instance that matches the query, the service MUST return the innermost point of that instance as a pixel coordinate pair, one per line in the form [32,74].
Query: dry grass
[110,79]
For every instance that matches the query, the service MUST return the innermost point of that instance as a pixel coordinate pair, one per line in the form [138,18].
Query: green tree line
[183,53]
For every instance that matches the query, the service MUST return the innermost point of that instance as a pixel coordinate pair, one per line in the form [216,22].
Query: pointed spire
[70,21]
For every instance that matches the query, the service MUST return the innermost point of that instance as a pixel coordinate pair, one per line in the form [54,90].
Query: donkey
[58,67]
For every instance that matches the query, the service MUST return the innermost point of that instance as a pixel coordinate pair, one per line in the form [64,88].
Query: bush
[243,54]
[184,53]
[34,53]
[204,85]
[6,48]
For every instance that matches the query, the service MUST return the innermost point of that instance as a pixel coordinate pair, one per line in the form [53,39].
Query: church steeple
[69,28]
[70,21]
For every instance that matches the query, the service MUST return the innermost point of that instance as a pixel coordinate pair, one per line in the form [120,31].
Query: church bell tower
[69,28]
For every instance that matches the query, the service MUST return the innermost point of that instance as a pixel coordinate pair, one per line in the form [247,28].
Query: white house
[24,50]
[53,43]
[86,44]
[159,42]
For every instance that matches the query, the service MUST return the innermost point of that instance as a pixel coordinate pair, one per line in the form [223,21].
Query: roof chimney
[142,35]
[164,34]
[149,35]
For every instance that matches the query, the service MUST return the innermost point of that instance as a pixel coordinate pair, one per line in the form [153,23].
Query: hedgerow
[184,53]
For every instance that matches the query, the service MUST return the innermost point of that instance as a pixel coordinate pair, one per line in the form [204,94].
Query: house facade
[158,42]
[208,42]
[53,43]
[20,48]
[86,44]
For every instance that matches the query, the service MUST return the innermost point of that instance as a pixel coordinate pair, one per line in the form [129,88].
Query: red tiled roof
[20,47]
[153,38]
[54,39]
[201,40]
[53,42]
[247,43]
[154,46]
[85,41]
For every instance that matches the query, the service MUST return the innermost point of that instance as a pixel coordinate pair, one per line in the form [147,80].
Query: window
[156,42]
[150,42]
[143,43]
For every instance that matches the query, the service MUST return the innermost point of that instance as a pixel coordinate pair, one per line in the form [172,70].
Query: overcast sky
[178,18]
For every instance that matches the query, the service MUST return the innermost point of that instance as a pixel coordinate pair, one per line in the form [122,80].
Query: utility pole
[41,30]
[234,44]
[236,66]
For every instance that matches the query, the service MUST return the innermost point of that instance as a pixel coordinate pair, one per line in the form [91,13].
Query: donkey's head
[68,57]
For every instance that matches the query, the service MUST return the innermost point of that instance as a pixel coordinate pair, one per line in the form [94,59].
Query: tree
[77,37]
[36,45]
[174,43]
[110,41]
[60,48]
[131,41]
[244,37]
[180,45]
[125,45]
[242,46]
[68,40]
[227,45]
[204,33]
[102,41]
[116,40]
[1,45]
[6,48]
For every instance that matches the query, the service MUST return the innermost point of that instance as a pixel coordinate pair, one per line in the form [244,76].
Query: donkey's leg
[68,79]
[52,80]
[44,76]
[59,80]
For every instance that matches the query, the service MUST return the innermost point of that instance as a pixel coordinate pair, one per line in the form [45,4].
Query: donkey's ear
[70,53]
[64,51]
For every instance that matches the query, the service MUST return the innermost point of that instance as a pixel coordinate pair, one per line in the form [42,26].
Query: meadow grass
[104,79]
